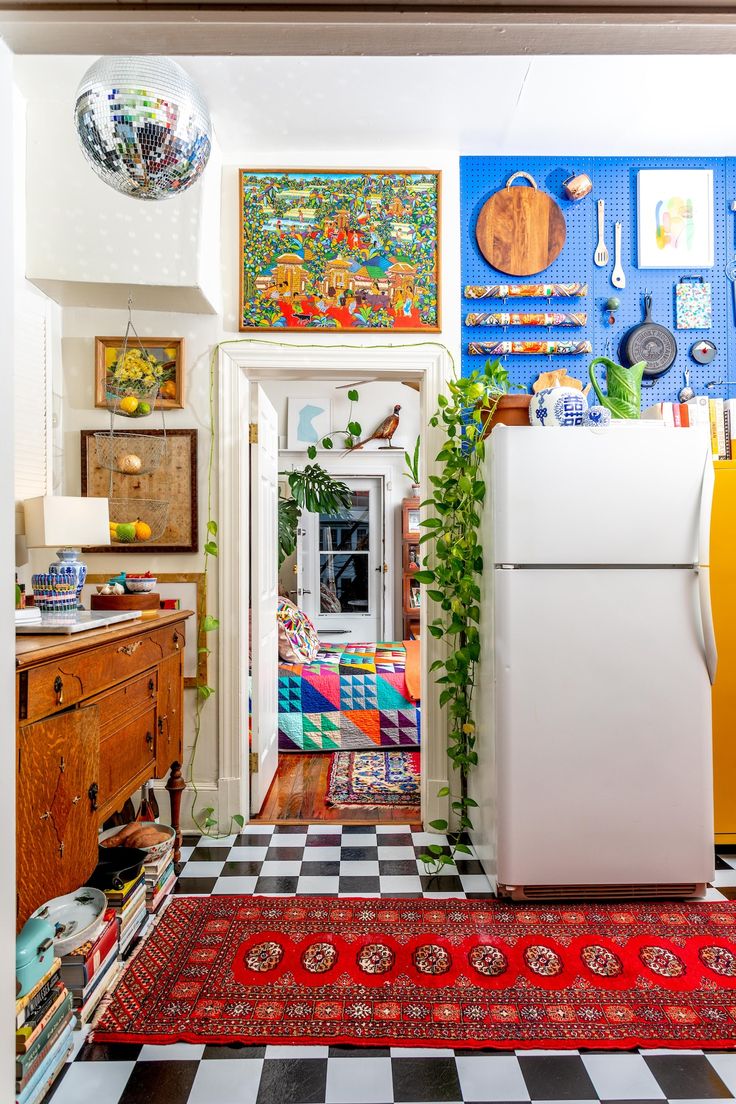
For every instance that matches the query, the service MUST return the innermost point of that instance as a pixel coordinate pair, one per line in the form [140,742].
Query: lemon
[113,528]
[129,404]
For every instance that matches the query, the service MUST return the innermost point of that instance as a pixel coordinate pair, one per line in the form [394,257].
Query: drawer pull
[152,687]
[177,638]
[92,794]
[59,689]
[149,739]
[130,649]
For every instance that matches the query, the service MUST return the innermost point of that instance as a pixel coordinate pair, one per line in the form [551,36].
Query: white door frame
[238,367]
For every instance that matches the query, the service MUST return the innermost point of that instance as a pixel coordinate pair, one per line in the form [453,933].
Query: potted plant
[499,406]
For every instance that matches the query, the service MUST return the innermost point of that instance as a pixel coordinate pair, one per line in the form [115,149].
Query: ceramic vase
[557,406]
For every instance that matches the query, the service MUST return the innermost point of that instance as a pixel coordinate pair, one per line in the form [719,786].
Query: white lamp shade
[56,521]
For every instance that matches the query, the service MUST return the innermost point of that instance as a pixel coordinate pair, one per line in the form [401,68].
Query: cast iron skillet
[650,342]
[116,866]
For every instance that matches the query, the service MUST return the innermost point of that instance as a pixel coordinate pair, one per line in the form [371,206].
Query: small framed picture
[153,360]
[410,519]
[675,218]
[309,420]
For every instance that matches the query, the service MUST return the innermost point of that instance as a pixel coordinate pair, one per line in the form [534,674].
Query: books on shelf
[716,415]
[80,966]
[44,1023]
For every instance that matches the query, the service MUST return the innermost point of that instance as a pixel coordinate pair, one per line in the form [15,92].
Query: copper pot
[509,410]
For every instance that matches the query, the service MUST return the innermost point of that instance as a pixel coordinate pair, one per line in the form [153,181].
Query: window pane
[343,584]
[348,530]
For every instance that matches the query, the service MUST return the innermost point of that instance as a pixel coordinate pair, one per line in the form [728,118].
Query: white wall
[7,628]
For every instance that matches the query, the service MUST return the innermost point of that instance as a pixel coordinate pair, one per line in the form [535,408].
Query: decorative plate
[76,917]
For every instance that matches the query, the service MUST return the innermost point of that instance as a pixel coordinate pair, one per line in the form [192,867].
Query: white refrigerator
[594,694]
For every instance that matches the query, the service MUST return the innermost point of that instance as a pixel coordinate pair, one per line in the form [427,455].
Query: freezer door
[603,728]
[624,494]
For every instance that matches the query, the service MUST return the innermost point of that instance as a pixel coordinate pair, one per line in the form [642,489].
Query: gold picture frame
[165,349]
[196,584]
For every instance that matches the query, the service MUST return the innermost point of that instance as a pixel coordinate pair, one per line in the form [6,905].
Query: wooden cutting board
[520,231]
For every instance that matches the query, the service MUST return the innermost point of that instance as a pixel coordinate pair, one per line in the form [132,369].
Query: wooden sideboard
[98,714]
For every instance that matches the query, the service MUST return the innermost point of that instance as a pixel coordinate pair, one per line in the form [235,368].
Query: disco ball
[143,124]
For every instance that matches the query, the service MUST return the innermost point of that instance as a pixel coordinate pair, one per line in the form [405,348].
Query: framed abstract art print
[675,218]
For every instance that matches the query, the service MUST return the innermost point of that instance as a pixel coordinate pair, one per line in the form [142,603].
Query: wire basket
[137,520]
[131,400]
[130,453]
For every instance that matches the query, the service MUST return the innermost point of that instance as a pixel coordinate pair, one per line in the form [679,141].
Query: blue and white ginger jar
[558,406]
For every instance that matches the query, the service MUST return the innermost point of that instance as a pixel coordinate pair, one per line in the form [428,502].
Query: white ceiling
[298,107]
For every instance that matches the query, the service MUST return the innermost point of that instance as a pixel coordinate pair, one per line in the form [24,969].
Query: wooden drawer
[53,686]
[127,755]
[133,697]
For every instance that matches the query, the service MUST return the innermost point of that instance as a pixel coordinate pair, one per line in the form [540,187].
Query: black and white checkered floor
[382,861]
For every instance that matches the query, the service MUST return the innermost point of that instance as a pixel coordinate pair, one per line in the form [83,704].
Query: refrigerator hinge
[507,567]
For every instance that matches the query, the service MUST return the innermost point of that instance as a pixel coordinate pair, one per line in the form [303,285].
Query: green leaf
[439,825]
[435,848]
[354,429]
[239,819]
[205,692]
[208,811]
[327,442]
[463,849]
[444,791]
[212,527]
[211,548]
[353,395]
[311,452]
[209,623]
[204,651]
[424,576]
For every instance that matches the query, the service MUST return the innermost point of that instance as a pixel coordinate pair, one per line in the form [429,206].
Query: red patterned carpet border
[419,972]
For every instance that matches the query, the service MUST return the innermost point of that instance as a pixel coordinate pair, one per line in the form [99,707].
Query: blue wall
[614,180]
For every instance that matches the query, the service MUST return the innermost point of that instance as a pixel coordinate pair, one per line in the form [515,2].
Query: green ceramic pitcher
[623,385]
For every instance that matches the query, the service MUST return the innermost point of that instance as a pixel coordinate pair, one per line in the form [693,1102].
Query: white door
[264,593]
[341,561]
[603,727]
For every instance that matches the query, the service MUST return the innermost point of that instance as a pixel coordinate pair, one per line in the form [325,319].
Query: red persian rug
[426,972]
[376,778]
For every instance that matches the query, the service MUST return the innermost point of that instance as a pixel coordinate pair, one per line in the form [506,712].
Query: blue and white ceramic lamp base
[60,589]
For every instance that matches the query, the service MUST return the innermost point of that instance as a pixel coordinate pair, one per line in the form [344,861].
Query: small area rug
[376,778]
[421,972]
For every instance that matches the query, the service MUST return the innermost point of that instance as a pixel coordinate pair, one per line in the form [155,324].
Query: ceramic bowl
[150,852]
[76,917]
[140,585]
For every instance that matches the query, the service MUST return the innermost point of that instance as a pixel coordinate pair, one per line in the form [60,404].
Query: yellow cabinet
[723,596]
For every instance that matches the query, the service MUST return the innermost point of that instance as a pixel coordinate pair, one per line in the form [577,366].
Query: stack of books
[717,415]
[160,877]
[129,904]
[44,1022]
[91,970]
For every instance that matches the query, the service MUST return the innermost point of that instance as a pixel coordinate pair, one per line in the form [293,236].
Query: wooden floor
[298,791]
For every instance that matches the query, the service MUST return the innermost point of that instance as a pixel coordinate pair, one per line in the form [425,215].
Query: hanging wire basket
[137,520]
[130,453]
[132,387]
[130,399]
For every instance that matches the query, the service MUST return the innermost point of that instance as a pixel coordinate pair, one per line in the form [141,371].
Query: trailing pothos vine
[452,574]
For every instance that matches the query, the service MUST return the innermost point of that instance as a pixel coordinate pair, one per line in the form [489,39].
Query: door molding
[238,368]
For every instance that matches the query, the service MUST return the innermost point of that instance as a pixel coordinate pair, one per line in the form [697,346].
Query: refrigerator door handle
[706,608]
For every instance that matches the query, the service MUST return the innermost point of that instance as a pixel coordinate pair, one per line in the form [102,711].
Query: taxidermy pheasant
[383,432]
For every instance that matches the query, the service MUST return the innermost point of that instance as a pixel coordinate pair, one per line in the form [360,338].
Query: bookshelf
[410,561]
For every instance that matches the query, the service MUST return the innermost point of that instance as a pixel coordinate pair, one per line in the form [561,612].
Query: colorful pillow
[298,640]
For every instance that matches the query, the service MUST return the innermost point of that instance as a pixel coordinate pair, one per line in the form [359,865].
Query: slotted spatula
[601,251]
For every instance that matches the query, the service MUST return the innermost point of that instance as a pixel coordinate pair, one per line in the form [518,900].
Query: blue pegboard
[614,180]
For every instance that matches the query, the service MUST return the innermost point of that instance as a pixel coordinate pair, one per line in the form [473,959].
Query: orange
[142,531]
[168,390]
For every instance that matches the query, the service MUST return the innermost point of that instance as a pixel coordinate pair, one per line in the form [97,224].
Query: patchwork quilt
[352,697]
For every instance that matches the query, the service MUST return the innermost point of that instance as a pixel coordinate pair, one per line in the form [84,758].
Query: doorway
[342,565]
[241,370]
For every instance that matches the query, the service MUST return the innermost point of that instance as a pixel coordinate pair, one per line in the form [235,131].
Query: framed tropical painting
[158,359]
[339,250]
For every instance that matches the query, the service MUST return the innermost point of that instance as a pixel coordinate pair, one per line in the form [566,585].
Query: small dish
[141,584]
[76,918]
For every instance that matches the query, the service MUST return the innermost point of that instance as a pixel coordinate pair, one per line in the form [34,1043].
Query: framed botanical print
[675,218]
[156,360]
[152,509]
[336,250]
[179,590]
